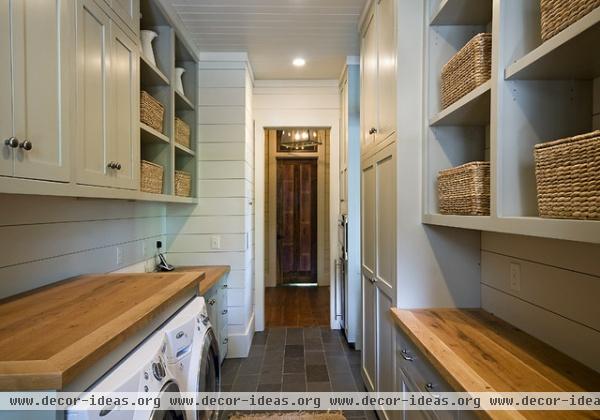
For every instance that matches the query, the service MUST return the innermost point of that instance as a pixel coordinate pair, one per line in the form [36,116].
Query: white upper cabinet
[369,89]
[93,66]
[128,11]
[378,55]
[6,110]
[386,59]
[123,106]
[35,77]
[107,85]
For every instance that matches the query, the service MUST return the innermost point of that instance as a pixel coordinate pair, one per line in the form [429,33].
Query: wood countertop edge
[444,360]
[62,368]
[213,273]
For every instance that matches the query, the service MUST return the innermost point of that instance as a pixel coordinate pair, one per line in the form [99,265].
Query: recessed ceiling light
[299,62]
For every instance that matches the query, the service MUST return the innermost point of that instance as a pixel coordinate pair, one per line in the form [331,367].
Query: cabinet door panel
[386,80]
[6,110]
[42,76]
[385,190]
[385,344]
[369,81]
[129,12]
[368,242]
[124,141]
[369,350]
[93,80]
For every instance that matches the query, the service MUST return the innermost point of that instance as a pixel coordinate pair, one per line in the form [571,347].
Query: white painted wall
[558,297]
[292,103]
[225,210]
[48,239]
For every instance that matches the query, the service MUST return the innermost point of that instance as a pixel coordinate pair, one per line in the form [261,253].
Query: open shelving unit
[170,51]
[539,92]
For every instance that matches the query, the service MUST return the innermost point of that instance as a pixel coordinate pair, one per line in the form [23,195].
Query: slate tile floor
[297,360]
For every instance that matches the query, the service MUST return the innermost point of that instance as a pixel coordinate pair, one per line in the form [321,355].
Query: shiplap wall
[48,239]
[225,153]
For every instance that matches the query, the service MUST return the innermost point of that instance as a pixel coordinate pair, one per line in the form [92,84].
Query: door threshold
[299,285]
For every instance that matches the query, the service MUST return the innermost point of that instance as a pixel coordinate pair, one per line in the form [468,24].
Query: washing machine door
[173,414]
[209,376]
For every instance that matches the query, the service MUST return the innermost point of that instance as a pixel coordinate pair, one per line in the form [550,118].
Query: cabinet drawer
[417,368]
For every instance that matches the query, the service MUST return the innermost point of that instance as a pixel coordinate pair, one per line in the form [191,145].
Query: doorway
[296,221]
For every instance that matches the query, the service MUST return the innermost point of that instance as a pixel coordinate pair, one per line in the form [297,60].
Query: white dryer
[192,353]
[143,370]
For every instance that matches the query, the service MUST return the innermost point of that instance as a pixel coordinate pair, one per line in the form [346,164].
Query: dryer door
[209,377]
[173,414]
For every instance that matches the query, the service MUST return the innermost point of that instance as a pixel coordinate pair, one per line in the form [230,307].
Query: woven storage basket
[567,172]
[468,69]
[465,190]
[151,179]
[152,112]
[183,184]
[557,15]
[182,132]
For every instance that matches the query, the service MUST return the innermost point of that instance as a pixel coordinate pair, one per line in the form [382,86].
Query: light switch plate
[215,242]
[515,277]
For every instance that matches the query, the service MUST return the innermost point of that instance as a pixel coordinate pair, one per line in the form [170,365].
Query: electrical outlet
[119,255]
[215,242]
[515,277]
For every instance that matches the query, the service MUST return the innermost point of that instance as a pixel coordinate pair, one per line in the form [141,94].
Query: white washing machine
[144,370]
[192,353]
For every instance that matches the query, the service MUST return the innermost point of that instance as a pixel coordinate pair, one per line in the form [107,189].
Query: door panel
[297,220]
[124,142]
[386,80]
[369,81]
[385,188]
[385,343]
[6,110]
[93,81]
[368,242]
[42,76]
[369,351]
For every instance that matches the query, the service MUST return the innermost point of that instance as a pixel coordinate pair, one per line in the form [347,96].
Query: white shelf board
[571,54]
[463,222]
[151,75]
[180,149]
[150,135]
[463,12]
[472,109]
[182,102]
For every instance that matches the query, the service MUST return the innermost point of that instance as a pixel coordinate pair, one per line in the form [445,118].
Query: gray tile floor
[296,360]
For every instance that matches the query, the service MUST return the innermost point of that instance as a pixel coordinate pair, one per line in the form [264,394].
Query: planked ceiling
[274,32]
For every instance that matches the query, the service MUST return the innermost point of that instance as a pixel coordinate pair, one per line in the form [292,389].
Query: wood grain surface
[50,335]
[212,274]
[475,351]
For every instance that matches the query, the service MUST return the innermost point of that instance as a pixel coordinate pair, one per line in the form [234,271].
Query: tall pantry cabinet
[35,74]
[378,185]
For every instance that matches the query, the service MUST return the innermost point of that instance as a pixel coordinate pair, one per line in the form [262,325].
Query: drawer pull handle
[212,302]
[224,286]
[225,340]
[224,312]
[406,356]
[429,386]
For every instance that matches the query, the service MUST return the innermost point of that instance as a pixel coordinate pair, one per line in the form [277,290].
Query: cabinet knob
[373,130]
[224,312]
[12,142]
[111,165]
[212,302]
[26,145]
[118,166]
[225,340]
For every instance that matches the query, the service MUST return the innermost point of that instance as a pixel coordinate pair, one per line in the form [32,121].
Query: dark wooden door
[297,220]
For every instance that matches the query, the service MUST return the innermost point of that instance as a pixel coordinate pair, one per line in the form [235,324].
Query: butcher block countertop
[475,351]
[213,274]
[50,335]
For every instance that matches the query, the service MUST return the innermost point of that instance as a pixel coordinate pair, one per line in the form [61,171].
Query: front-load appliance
[144,370]
[192,353]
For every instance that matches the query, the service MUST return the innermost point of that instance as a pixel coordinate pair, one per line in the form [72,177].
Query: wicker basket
[557,15]
[151,179]
[465,190]
[568,177]
[182,133]
[152,112]
[468,69]
[183,184]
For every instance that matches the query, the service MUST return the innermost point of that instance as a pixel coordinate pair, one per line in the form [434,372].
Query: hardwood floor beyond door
[296,306]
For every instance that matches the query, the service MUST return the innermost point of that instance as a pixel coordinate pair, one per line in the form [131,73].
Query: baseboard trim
[239,344]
